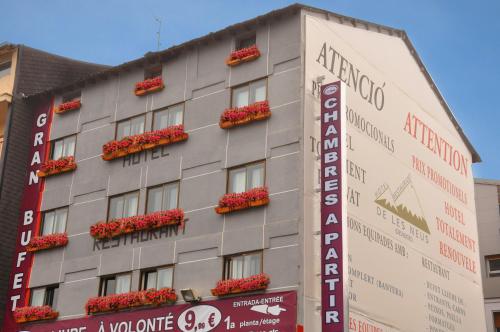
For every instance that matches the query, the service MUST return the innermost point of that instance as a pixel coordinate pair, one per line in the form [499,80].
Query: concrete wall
[200,79]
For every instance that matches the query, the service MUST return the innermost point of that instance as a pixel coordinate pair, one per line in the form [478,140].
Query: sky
[458,40]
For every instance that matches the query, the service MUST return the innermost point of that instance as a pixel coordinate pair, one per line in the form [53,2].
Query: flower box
[241,115]
[149,86]
[38,243]
[237,286]
[240,201]
[243,55]
[130,300]
[31,314]
[52,167]
[68,106]
[146,141]
[114,228]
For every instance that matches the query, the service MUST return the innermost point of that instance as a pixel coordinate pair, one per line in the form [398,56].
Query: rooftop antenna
[158,34]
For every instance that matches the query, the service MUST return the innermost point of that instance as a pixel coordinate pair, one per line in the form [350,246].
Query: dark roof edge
[272,15]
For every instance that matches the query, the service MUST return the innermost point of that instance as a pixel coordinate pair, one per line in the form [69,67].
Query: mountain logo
[403,202]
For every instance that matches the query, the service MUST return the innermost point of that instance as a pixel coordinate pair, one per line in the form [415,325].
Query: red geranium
[233,200]
[132,299]
[56,165]
[154,220]
[244,52]
[241,113]
[151,137]
[149,83]
[68,106]
[29,314]
[231,286]
[47,241]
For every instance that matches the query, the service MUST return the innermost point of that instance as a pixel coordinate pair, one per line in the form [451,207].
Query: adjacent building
[192,176]
[488,219]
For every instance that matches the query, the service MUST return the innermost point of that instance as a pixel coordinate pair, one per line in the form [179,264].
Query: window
[246,41]
[5,69]
[123,206]
[152,71]
[244,178]
[54,221]
[64,147]
[117,284]
[496,320]
[157,278]
[243,266]
[75,95]
[167,117]
[493,265]
[129,127]
[162,198]
[44,296]
[250,93]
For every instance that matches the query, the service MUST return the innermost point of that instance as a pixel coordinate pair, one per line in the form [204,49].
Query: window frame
[167,108]
[144,272]
[72,95]
[42,224]
[239,39]
[104,279]
[264,78]
[117,123]
[153,68]
[138,191]
[53,145]
[178,182]
[226,271]
[228,173]
[490,273]
[46,289]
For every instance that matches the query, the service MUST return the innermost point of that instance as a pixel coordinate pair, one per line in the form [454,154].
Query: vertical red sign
[29,215]
[333,298]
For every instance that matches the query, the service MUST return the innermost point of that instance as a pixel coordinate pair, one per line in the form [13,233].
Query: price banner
[272,312]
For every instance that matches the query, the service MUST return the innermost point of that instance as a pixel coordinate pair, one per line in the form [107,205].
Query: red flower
[47,241]
[241,113]
[244,52]
[28,314]
[149,83]
[231,286]
[233,200]
[132,299]
[68,106]
[117,227]
[56,165]
[151,137]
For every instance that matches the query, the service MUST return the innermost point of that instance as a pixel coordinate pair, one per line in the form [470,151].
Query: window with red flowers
[164,197]
[246,177]
[130,127]
[54,221]
[63,147]
[249,93]
[157,278]
[152,71]
[168,116]
[246,41]
[243,265]
[115,284]
[41,296]
[123,205]
[71,96]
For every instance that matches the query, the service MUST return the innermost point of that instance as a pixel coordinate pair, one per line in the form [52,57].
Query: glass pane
[49,296]
[237,179]
[57,152]
[123,129]
[240,97]
[237,267]
[131,204]
[494,265]
[160,120]
[246,42]
[258,91]
[123,284]
[170,196]
[175,115]
[150,280]
[165,278]
[69,146]
[154,199]
[255,175]
[37,297]
[53,300]
[109,287]
[116,208]
[48,223]
[252,265]
[137,126]
[60,220]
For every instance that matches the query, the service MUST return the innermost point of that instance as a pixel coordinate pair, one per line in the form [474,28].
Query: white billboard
[413,252]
